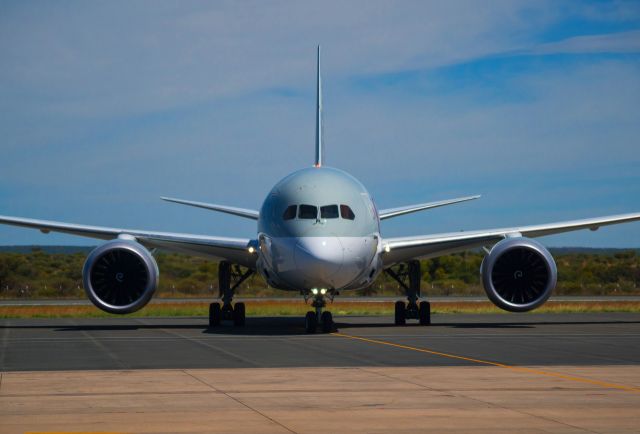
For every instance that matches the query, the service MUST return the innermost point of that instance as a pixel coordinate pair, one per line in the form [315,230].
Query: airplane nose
[319,259]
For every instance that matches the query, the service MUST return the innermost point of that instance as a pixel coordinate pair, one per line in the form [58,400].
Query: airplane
[318,233]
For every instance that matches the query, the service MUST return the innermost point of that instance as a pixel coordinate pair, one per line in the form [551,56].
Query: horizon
[533,105]
[8,247]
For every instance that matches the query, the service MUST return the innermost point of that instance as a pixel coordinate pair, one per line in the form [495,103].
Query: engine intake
[120,276]
[518,274]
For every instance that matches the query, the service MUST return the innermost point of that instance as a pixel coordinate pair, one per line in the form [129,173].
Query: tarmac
[181,343]
[482,373]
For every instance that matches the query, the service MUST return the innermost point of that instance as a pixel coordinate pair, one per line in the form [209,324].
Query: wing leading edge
[231,249]
[403,249]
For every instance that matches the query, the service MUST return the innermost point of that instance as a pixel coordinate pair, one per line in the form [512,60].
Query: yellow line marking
[500,365]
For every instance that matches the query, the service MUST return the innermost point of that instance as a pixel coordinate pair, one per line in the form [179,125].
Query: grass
[284,308]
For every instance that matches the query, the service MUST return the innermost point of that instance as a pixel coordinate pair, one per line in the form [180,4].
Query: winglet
[318,115]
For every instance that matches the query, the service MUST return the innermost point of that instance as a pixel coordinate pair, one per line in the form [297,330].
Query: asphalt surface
[180,343]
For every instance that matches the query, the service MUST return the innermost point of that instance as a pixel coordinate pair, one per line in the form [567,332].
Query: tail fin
[319,116]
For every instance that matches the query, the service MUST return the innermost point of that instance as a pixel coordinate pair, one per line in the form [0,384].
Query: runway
[483,373]
[181,343]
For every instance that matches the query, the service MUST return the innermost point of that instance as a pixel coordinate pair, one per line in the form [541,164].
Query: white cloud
[570,115]
[96,59]
[623,42]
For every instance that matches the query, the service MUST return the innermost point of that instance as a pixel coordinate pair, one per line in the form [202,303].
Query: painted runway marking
[500,365]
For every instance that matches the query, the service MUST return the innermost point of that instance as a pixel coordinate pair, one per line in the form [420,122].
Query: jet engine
[518,274]
[120,276]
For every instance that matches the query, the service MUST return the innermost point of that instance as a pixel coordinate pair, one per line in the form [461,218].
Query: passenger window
[308,212]
[346,212]
[329,212]
[290,212]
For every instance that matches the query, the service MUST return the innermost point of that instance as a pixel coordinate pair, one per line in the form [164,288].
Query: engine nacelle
[120,276]
[518,274]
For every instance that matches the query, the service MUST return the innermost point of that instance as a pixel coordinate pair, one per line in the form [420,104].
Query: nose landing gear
[311,319]
[409,276]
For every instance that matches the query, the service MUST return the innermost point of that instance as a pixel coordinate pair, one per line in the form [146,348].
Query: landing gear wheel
[238,314]
[214,315]
[311,322]
[425,313]
[401,313]
[327,322]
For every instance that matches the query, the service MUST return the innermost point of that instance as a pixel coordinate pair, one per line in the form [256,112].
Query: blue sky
[105,106]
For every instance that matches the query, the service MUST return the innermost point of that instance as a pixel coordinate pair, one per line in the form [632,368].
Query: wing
[231,249]
[241,212]
[403,249]
[394,212]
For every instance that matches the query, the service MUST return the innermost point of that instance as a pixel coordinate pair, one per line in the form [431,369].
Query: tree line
[39,274]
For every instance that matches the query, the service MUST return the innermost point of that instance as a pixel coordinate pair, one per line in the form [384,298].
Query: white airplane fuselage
[319,229]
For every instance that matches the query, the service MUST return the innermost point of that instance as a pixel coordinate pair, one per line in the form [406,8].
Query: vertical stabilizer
[319,115]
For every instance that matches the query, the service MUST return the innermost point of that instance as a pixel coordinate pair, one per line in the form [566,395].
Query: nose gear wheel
[324,317]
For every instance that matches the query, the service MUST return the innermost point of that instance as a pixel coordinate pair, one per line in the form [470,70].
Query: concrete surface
[320,400]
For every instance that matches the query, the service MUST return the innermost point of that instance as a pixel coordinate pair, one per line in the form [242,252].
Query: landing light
[251,250]
[314,291]
[323,291]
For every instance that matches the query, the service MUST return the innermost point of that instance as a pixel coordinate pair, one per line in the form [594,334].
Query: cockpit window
[346,212]
[290,212]
[329,212]
[308,212]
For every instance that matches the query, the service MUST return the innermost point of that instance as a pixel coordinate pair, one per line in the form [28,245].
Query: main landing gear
[312,317]
[229,278]
[408,275]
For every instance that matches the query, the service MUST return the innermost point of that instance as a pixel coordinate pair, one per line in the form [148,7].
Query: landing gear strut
[325,317]
[408,276]
[229,278]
